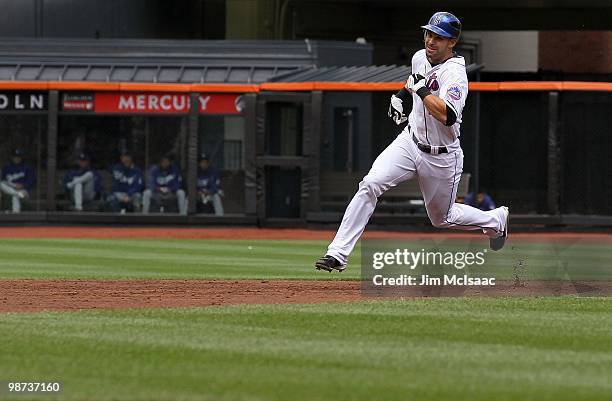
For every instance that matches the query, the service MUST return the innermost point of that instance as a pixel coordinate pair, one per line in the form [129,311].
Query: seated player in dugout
[127,185]
[165,187]
[209,188]
[482,200]
[17,180]
[82,182]
[428,149]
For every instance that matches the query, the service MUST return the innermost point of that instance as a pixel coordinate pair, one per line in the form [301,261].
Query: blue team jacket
[127,179]
[19,174]
[487,202]
[208,180]
[170,178]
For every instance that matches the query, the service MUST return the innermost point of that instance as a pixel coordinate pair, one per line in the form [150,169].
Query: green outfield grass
[424,349]
[289,259]
[428,349]
[161,259]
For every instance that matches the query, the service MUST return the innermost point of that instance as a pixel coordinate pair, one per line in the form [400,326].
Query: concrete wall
[507,51]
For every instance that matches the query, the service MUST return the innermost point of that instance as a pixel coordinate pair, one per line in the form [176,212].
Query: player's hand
[396,110]
[18,185]
[415,82]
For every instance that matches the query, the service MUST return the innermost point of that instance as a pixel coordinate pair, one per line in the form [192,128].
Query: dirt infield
[67,295]
[38,295]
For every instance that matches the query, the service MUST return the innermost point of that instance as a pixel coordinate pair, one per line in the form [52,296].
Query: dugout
[153,98]
[285,122]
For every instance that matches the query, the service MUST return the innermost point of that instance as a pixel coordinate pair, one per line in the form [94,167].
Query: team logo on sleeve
[454,92]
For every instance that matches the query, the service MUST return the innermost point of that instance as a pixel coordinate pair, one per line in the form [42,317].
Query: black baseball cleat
[498,243]
[329,263]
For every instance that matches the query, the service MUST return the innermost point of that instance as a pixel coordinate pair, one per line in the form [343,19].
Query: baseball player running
[428,149]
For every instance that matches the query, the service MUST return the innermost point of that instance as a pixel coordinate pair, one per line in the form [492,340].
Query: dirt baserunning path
[38,295]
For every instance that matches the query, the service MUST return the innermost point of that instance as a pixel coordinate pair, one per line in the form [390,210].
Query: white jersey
[448,81]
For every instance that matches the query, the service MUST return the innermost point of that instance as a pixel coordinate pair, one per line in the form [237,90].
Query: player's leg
[181,200]
[439,177]
[77,195]
[17,195]
[395,164]
[146,200]
[88,176]
[137,201]
[16,203]
[8,189]
[217,204]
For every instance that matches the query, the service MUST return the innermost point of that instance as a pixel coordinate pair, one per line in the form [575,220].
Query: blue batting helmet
[444,24]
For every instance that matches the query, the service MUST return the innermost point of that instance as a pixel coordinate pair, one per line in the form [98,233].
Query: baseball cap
[17,153]
[83,156]
[204,156]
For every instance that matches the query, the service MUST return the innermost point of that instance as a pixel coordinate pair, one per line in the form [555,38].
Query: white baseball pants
[438,177]
[16,195]
[82,188]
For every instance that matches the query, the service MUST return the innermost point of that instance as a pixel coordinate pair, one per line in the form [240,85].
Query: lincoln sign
[30,101]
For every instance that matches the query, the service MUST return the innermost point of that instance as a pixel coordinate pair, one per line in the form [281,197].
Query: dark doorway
[284,129]
[345,139]
[283,192]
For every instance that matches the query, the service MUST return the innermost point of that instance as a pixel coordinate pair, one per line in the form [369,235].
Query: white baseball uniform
[438,174]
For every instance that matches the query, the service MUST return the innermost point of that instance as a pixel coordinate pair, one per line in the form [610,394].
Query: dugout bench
[232,182]
[337,189]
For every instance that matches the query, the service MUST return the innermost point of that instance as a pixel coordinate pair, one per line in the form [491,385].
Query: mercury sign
[23,101]
[173,103]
